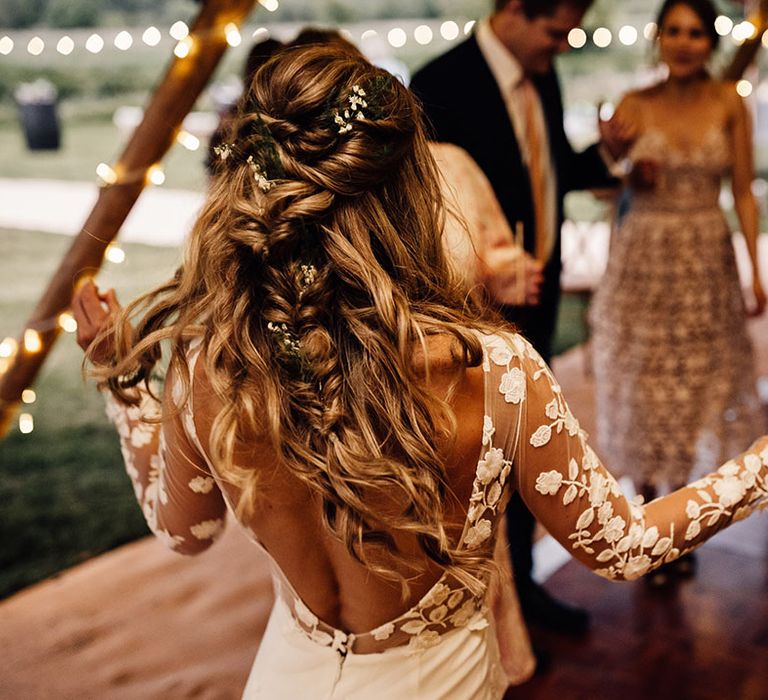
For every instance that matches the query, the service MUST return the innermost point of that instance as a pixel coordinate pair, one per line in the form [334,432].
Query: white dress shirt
[509,76]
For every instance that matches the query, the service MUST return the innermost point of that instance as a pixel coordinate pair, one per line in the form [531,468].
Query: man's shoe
[541,610]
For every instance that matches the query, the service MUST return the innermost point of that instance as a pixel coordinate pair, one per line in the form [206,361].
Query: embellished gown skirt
[673,363]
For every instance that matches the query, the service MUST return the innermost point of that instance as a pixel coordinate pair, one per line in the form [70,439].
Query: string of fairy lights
[31,340]
[397,37]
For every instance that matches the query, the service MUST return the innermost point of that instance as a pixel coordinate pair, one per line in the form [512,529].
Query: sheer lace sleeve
[570,492]
[181,501]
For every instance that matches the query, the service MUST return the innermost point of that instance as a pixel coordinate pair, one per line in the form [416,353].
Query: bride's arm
[570,492]
[178,496]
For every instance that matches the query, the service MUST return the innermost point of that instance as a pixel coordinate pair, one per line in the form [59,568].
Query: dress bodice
[687,178]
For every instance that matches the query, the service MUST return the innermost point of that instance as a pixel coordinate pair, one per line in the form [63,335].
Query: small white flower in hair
[223,151]
[344,125]
[308,274]
[260,175]
[355,111]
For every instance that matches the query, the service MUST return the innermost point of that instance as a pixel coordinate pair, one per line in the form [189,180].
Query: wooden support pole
[745,55]
[184,81]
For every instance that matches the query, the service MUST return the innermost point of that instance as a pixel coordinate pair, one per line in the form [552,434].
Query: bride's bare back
[288,520]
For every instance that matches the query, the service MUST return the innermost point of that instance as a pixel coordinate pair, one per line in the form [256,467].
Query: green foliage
[17,14]
[67,14]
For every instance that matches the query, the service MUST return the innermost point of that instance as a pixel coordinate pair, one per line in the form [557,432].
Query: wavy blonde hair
[351,416]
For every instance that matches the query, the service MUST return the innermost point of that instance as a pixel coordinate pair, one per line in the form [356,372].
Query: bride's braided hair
[314,270]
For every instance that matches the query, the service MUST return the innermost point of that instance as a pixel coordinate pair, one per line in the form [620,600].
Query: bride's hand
[93,311]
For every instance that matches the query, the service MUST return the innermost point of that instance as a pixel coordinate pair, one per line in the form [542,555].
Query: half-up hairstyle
[313,272]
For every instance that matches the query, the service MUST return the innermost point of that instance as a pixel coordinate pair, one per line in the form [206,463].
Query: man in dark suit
[497,96]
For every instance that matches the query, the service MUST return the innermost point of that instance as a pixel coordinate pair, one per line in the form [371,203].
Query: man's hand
[93,311]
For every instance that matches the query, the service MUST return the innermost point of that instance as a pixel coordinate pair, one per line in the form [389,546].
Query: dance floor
[141,622]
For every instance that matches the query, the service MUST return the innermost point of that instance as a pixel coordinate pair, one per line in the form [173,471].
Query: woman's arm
[174,487]
[742,177]
[582,506]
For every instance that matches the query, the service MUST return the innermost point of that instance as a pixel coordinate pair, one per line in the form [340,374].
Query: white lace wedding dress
[453,643]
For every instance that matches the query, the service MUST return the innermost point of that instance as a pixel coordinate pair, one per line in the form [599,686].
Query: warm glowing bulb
[261,33]
[65,46]
[602,37]
[743,31]
[6,45]
[468,26]
[723,25]
[8,347]
[368,34]
[449,30]
[67,322]
[270,5]
[123,41]
[744,88]
[151,36]
[422,34]
[577,37]
[114,253]
[179,30]
[35,46]
[649,31]
[26,423]
[189,141]
[106,173]
[94,43]
[628,35]
[32,341]
[233,34]
[156,175]
[183,47]
[28,396]
[396,38]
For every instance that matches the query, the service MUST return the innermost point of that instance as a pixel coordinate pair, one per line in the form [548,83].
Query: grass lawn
[86,143]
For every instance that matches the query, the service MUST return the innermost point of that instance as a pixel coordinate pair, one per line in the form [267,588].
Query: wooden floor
[705,638]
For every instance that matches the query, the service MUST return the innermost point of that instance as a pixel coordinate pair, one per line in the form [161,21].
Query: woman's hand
[616,134]
[644,174]
[512,276]
[93,311]
[759,294]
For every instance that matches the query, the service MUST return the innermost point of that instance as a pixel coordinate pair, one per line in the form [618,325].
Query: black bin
[41,126]
[37,103]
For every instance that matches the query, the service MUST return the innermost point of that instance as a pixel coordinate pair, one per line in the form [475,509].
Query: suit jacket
[463,105]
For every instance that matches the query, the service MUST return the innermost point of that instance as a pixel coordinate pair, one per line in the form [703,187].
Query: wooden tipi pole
[746,53]
[184,81]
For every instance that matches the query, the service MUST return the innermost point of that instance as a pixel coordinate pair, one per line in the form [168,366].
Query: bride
[332,385]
